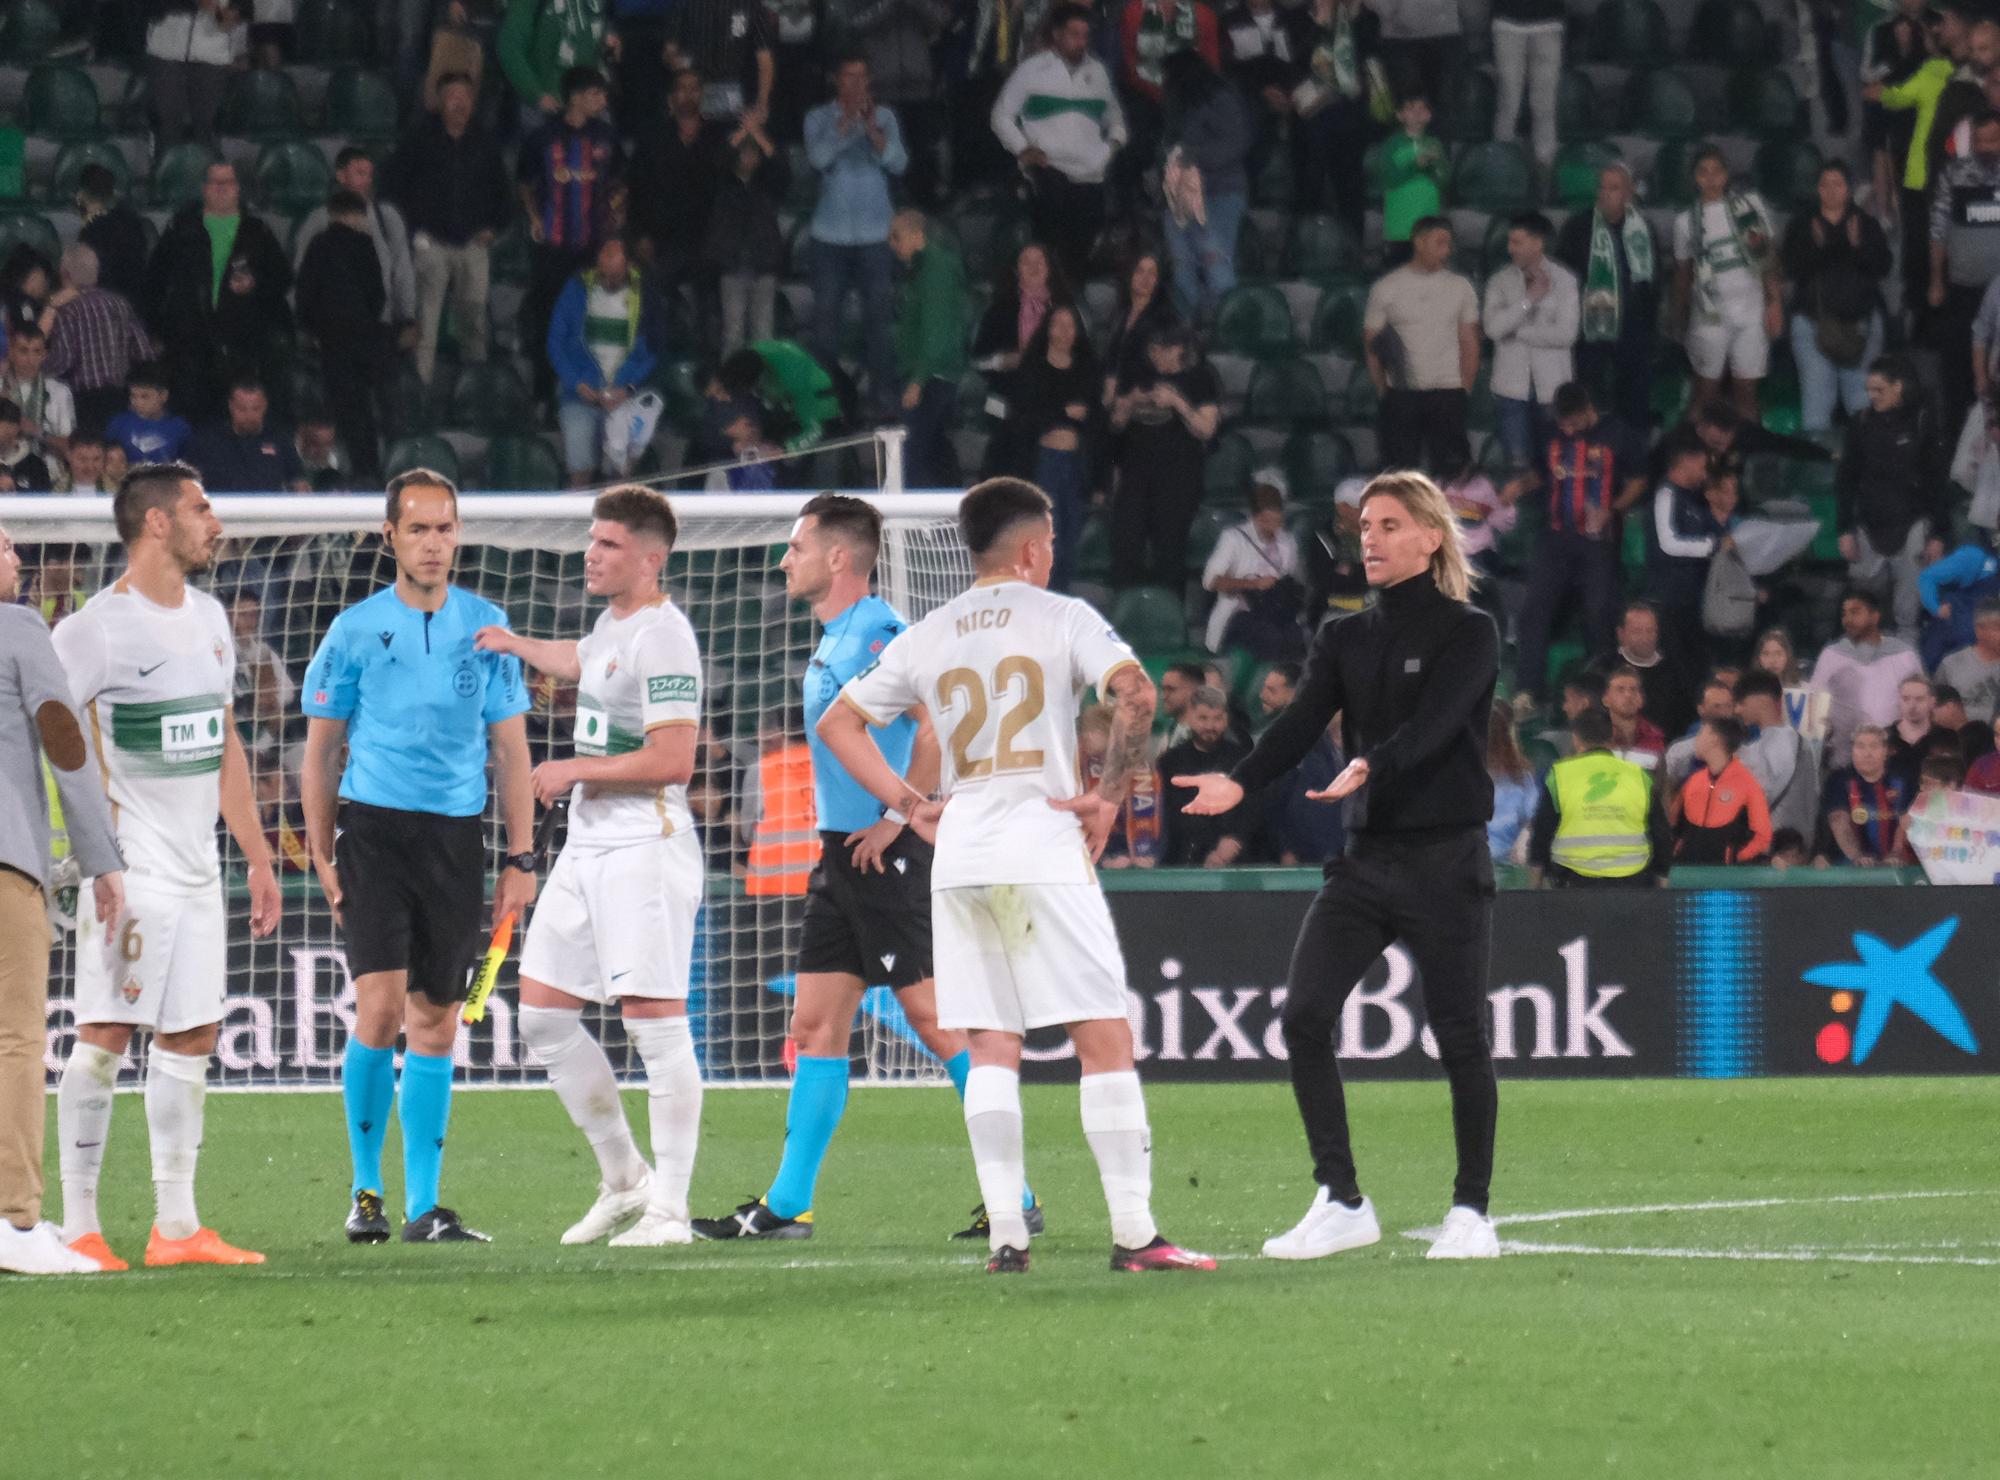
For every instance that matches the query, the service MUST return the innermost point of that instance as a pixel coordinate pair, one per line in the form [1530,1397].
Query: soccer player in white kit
[152,666]
[616,920]
[1022,935]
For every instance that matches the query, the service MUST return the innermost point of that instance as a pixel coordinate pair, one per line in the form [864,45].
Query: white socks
[673,1090]
[1114,1122]
[581,1076]
[83,1122]
[176,1086]
[993,1124]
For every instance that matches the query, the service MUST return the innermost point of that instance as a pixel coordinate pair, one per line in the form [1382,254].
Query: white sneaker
[613,1209]
[657,1229]
[1327,1228]
[1468,1234]
[40,1250]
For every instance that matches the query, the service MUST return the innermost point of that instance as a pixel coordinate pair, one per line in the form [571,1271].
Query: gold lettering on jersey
[986,619]
[1009,675]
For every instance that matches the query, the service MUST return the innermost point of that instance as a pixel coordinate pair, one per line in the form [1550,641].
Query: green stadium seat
[1256,321]
[1632,33]
[491,398]
[13,164]
[1466,109]
[1672,182]
[293,179]
[1256,257]
[1660,105]
[1574,184]
[1731,32]
[61,103]
[29,228]
[1150,618]
[1209,522]
[1492,249]
[1578,118]
[1359,405]
[522,465]
[76,158]
[1316,463]
[361,106]
[1336,322]
[28,30]
[1493,177]
[262,107]
[1225,473]
[1273,186]
[1287,393]
[1323,249]
[1093,550]
[178,173]
[1787,174]
[431,452]
[509,262]
[332,32]
[1764,104]
[409,407]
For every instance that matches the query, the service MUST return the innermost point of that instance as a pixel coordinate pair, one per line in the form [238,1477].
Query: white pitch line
[1782,1256]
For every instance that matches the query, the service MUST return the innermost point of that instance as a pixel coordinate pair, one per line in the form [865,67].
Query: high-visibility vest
[785,845]
[1601,804]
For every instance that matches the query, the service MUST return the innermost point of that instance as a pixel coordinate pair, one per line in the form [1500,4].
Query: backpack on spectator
[1729,600]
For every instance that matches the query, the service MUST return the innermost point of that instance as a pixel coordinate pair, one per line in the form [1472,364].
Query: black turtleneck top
[1412,679]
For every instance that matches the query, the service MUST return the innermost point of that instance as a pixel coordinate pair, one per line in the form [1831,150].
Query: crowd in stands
[1692,312]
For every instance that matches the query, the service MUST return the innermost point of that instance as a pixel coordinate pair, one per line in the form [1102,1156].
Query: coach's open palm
[1344,785]
[1214,793]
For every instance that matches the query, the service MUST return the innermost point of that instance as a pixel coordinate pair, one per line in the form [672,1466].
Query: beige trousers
[24,1016]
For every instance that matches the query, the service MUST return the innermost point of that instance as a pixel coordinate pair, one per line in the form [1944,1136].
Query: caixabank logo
[1891,994]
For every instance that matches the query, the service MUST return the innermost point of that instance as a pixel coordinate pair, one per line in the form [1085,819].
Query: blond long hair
[1427,505]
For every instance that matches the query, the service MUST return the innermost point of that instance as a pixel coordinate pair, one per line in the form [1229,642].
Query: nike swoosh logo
[616,974]
[144,671]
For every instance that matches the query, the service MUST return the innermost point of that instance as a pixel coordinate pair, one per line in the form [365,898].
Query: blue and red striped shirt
[1585,472]
[575,173]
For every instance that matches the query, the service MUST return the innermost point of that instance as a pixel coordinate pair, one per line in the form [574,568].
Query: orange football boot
[93,1246]
[204,1246]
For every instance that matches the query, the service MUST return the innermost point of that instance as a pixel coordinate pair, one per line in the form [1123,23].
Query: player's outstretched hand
[265,901]
[1214,793]
[872,842]
[109,891]
[1096,813]
[497,639]
[1344,785]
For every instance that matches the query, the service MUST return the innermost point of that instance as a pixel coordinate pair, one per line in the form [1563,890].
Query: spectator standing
[1483,514]
[1893,51]
[541,41]
[244,453]
[1421,334]
[1785,763]
[1149,33]
[1861,673]
[189,52]
[1720,816]
[1670,698]
[1531,315]
[1167,417]
[604,340]
[95,338]
[856,145]
[930,349]
[1253,572]
[896,38]
[1599,821]
[570,173]
[1864,803]
[450,182]
[678,170]
[146,431]
[1195,840]
[1965,256]
[1633,737]
[1143,306]
[1333,117]
[48,410]
[342,299]
[1059,116]
[1611,250]
[114,231]
[1205,181]
[1516,791]
[1685,533]
[1414,167]
[1775,655]
[1914,738]
[1056,408]
[1975,671]
[1918,96]
[1718,701]
[1971,39]
[25,288]
[1889,486]
[1422,40]
[384,225]
[1021,302]
[732,45]
[1265,52]
[26,469]
[745,249]
[1528,58]
[1726,287]
[1835,259]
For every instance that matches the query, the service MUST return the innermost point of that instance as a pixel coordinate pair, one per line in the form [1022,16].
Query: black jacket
[340,291]
[1253,68]
[119,239]
[1892,473]
[450,189]
[1817,256]
[180,301]
[674,186]
[1412,680]
[744,233]
[1190,838]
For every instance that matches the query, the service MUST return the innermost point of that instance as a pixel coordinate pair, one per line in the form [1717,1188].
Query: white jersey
[638,674]
[154,684]
[1001,669]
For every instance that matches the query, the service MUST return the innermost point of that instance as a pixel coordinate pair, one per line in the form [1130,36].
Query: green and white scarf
[1603,307]
[1747,236]
[580,30]
[1155,42]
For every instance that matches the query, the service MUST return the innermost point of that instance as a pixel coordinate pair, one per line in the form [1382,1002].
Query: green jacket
[795,383]
[1413,172]
[931,317]
[542,39]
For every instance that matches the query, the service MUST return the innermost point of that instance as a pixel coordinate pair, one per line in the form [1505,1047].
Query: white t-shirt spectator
[1241,554]
[1425,309]
[192,36]
[47,408]
[1977,682]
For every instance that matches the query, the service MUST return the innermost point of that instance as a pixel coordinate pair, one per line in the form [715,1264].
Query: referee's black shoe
[982,1226]
[366,1222]
[441,1226]
[754,1220]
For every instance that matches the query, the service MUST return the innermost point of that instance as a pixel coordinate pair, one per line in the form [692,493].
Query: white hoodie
[1862,682]
[1071,116]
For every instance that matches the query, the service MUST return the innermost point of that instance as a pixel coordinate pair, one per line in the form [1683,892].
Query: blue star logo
[1886,976]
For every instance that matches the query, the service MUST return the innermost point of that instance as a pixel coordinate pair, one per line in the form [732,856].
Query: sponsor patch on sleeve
[666,688]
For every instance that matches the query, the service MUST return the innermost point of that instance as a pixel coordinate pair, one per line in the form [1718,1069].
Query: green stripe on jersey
[171,737]
[596,735]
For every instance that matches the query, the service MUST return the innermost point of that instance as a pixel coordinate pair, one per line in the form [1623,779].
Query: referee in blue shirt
[868,907]
[400,847]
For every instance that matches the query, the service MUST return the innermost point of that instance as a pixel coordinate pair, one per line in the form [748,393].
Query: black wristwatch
[525,862]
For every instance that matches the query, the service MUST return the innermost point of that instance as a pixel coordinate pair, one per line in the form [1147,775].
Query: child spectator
[1413,176]
[146,432]
[1720,816]
[28,470]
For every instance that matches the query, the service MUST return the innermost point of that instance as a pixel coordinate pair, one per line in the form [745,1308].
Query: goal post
[290,563]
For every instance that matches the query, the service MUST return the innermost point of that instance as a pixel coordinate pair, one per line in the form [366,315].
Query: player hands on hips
[152,665]
[616,923]
[398,840]
[1022,934]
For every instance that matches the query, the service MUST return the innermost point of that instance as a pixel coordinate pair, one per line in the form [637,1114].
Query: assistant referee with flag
[400,848]
[1412,681]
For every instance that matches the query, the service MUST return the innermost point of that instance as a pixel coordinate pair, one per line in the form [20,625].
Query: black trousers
[1564,564]
[1066,215]
[1150,522]
[1435,896]
[1422,429]
[352,374]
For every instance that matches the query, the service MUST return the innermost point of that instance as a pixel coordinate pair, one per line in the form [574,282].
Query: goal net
[291,563]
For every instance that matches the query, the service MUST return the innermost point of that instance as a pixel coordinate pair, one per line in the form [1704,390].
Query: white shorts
[1011,957]
[1731,345]
[617,922]
[165,966]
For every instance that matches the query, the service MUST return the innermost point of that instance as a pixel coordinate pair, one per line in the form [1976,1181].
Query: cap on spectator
[1272,478]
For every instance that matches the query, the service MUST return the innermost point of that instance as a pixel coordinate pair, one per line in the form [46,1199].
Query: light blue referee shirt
[417,698]
[853,640]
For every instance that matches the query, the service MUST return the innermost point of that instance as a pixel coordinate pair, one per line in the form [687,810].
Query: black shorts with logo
[865,924]
[413,895]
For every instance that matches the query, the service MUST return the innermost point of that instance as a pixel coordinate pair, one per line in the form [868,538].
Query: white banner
[1956,837]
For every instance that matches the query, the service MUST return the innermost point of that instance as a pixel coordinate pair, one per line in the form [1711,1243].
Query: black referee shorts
[413,894]
[870,925]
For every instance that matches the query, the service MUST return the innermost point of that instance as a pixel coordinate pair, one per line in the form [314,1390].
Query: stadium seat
[1632,33]
[332,32]
[1574,184]
[1316,462]
[421,452]
[28,30]
[1323,249]
[1764,104]
[29,228]
[13,164]
[1465,111]
[1150,618]
[1093,550]
[1578,117]
[1493,177]
[1273,187]
[1672,181]
[1256,258]
[1256,321]
[1336,322]
[1492,249]
[61,103]
[490,398]
[293,179]
[1660,105]
[1731,32]
[1287,393]
[1359,405]
[178,173]
[1209,522]
[409,407]
[1225,473]
[522,465]
[361,106]
[76,158]
[1787,174]
[262,107]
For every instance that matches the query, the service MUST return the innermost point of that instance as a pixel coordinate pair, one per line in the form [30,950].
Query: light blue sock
[368,1088]
[958,1066]
[424,1106]
[819,1096]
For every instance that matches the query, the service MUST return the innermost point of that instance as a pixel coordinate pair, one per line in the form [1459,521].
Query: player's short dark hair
[991,508]
[1572,399]
[1759,682]
[1534,223]
[1863,595]
[1263,497]
[146,375]
[639,509]
[1730,731]
[1588,682]
[1683,443]
[1719,415]
[855,522]
[417,478]
[1639,604]
[1591,729]
[1705,153]
[582,79]
[250,385]
[146,487]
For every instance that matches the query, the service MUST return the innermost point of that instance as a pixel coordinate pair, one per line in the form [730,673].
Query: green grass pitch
[1801,1337]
